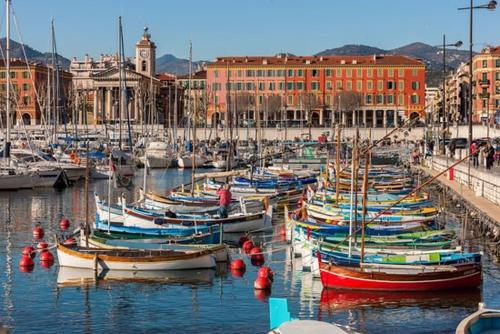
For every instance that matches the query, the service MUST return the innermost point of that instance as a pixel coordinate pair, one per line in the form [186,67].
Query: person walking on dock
[224,194]
[474,151]
[490,155]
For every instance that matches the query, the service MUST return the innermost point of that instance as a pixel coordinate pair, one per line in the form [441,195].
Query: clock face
[144,54]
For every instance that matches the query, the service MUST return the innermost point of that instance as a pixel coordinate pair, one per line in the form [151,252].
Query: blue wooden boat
[483,321]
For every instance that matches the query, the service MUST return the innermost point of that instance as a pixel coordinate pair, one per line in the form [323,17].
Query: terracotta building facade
[31,83]
[486,90]
[371,91]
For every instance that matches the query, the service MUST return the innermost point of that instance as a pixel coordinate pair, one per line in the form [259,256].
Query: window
[270,73]
[239,86]
[290,99]
[380,98]
[349,72]
[26,87]
[26,75]
[328,72]
[2,75]
[216,73]
[195,84]
[339,72]
[290,73]
[216,99]
[390,99]
[401,85]
[328,99]
[26,100]
[328,85]
[300,85]
[415,85]
[390,85]
[414,99]
[260,73]
[314,85]
[339,84]
[289,85]
[497,63]
[348,85]
[359,85]
[484,76]
[300,73]
[281,85]
[144,66]
[249,85]
[401,99]
[359,73]
[497,103]
[369,99]
[401,72]
[390,72]
[261,99]
[414,72]
[485,63]
[380,84]
[239,73]
[369,85]
[497,75]
[272,86]
[280,73]
[369,73]
[262,86]
[13,75]
[314,73]
[380,72]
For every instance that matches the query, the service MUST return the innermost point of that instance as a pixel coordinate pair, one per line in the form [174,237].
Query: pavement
[494,170]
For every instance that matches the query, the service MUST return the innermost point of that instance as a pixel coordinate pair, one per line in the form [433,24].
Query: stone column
[385,118]
[344,121]
[321,117]
[374,123]
[364,118]
[108,105]
[395,118]
[354,117]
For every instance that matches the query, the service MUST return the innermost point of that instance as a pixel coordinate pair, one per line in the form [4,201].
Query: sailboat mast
[6,152]
[120,79]
[337,166]
[353,176]
[365,200]
[193,158]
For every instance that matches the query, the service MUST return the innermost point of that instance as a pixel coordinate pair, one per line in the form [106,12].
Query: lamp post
[490,6]
[444,124]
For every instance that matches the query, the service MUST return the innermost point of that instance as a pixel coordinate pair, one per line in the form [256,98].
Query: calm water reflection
[206,301]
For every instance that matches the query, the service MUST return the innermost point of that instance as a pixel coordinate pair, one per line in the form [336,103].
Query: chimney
[342,62]
[264,61]
[321,58]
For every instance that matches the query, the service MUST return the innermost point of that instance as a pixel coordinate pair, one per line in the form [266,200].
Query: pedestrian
[474,152]
[490,155]
[224,194]
[452,147]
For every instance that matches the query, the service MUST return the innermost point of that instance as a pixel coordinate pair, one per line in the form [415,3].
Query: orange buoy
[266,272]
[26,262]
[29,251]
[247,246]
[238,264]
[38,232]
[64,223]
[46,256]
[262,283]
[42,245]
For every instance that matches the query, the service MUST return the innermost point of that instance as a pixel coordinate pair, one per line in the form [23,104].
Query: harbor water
[48,300]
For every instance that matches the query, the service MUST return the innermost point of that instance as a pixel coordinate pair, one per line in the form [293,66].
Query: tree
[347,101]
[309,101]
[273,106]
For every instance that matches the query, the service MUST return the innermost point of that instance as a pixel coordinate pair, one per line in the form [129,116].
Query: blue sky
[250,27]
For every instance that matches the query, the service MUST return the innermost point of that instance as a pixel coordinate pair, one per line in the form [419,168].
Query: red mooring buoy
[242,240]
[238,264]
[262,283]
[266,272]
[247,246]
[46,256]
[26,262]
[42,245]
[29,251]
[64,223]
[38,232]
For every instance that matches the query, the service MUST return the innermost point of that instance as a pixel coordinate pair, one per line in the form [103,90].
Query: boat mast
[337,166]
[193,158]
[6,151]
[120,79]
[365,200]
[353,175]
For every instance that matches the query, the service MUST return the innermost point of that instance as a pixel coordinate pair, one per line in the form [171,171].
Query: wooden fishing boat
[105,241]
[131,259]
[400,277]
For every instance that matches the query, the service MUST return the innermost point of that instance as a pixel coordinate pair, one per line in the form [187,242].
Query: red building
[373,91]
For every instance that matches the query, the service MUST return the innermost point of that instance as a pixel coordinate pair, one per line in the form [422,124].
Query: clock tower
[145,55]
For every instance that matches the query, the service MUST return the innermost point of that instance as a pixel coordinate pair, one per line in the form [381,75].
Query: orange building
[29,91]
[486,80]
[374,91]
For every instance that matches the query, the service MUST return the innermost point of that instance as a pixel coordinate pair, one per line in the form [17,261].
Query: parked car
[459,142]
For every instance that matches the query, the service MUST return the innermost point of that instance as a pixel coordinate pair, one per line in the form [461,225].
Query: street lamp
[457,44]
[490,6]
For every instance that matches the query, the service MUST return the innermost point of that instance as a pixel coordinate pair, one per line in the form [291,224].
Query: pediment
[113,74]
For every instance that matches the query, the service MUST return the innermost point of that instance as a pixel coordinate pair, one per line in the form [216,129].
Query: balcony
[484,95]
[484,82]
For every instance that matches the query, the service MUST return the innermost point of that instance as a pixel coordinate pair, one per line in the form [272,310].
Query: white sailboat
[158,154]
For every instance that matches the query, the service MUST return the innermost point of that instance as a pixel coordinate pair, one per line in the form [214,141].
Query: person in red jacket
[224,194]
